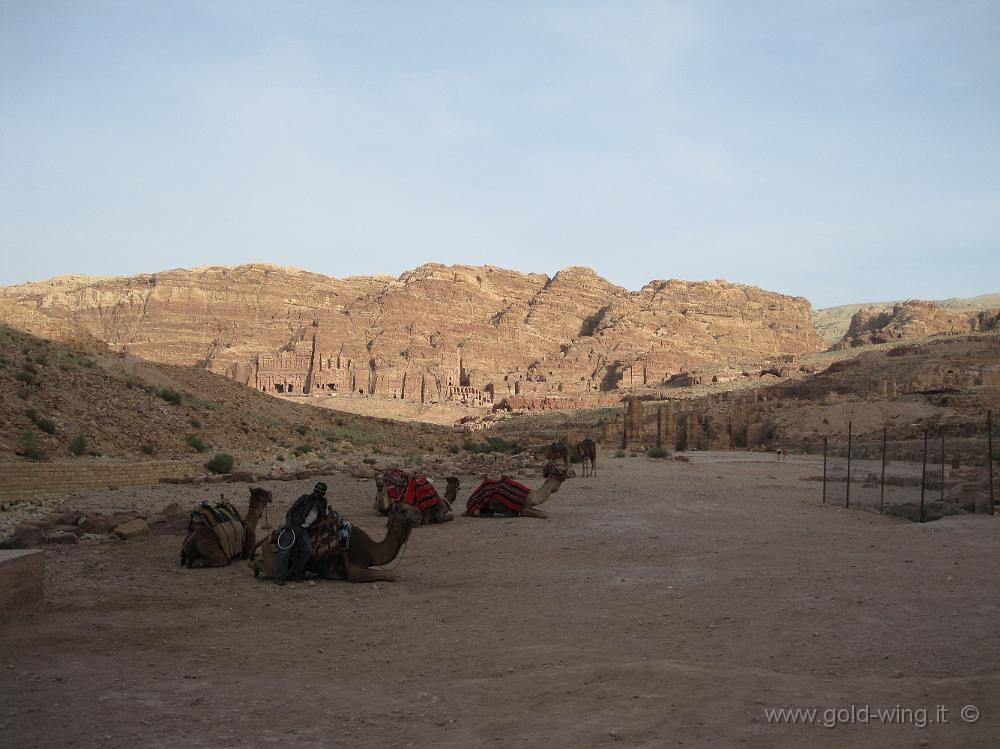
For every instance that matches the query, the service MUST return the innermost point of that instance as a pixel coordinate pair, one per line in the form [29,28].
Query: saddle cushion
[497,496]
[417,491]
[227,524]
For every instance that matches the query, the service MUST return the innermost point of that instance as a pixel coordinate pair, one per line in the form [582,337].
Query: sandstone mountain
[832,322]
[494,331]
[913,319]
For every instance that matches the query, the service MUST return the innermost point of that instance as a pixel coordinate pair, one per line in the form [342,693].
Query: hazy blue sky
[844,151]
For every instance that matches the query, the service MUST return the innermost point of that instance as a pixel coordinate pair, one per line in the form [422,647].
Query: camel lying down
[354,565]
[506,497]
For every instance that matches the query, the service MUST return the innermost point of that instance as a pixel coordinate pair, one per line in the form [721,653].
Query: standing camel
[218,535]
[509,498]
[587,450]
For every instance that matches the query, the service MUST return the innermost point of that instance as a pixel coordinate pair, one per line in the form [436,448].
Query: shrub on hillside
[170,396]
[197,443]
[657,452]
[31,448]
[78,445]
[221,463]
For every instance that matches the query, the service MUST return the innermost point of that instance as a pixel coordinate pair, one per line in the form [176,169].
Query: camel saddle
[330,535]
[505,492]
[227,523]
[416,491]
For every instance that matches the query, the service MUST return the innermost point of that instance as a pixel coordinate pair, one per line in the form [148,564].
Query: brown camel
[435,511]
[204,546]
[355,564]
[587,450]
[509,498]
[332,563]
[558,451]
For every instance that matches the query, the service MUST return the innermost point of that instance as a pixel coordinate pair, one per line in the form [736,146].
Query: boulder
[95,523]
[173,511]
[29,533]
[136,528]
[244,477]
[62,537]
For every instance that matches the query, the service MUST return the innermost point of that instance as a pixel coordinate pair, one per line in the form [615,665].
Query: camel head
[408,514]
[381,501]
[557,470]
[451,490]
[260,498]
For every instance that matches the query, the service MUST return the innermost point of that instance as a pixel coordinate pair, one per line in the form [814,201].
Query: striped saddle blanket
[330,535]
[502,496]
[226,522]
[417,491]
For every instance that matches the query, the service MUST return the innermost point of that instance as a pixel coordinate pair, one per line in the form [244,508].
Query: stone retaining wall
[25,480]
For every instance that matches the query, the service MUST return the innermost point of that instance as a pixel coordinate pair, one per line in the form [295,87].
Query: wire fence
[941,472]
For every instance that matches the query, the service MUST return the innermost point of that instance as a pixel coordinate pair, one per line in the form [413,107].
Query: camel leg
[207,554]
[531,512]
[357,574]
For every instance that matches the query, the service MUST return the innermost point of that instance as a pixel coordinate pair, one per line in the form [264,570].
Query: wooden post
[923,478]
[881,501]
[850,426]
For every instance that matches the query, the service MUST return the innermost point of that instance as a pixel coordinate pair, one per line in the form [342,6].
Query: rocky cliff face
[498,331]
[912,319]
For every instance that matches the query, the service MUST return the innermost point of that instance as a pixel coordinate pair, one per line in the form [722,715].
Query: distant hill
[57,401]
[832,322]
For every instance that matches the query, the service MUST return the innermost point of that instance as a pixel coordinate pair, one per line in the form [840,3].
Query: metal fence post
[850,425]
[824,470]
[923,478]
[881,499]
[989,457]
[942,466]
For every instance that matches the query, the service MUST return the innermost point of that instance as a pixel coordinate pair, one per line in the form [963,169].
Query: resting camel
[204,545]
[558,451]
[512,499]
[354,564]
[422,495]
[587,450]
[332,563]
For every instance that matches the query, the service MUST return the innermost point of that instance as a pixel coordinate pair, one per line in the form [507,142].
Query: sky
[844,151]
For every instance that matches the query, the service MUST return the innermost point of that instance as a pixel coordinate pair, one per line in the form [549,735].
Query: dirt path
[662,604]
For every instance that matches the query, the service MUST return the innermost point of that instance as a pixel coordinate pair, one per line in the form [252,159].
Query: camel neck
[395,536]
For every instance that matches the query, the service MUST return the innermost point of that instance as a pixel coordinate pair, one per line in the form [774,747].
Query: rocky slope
[497,330]
[832,322]
[913,319]
[59,402]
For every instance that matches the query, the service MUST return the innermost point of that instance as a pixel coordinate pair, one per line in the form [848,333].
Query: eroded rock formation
[912,319]
[475,333]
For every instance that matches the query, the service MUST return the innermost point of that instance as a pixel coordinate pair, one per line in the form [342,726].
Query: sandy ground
[661,604]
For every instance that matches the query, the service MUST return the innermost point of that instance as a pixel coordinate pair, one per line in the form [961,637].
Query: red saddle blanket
[503,495]
[416,490]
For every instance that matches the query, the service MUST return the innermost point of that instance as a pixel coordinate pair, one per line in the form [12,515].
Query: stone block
[132,529]
[22,577]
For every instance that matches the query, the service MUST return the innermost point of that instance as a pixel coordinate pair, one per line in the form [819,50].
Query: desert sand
[661,604]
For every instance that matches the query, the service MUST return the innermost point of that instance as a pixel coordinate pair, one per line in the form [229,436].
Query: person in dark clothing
[307,510]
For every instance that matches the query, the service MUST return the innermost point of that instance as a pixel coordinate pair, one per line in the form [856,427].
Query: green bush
[194,422]
[619,453]
[148,449]
[280,458]
[46,425]
[302,449]
[492,445]
[302,429]
[454,449]
[31,448]
[197,443]
[656,452]
[170,396]
[26,377]
[221,463]
[78,445]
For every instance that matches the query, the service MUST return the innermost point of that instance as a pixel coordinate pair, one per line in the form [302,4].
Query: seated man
[307,510]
